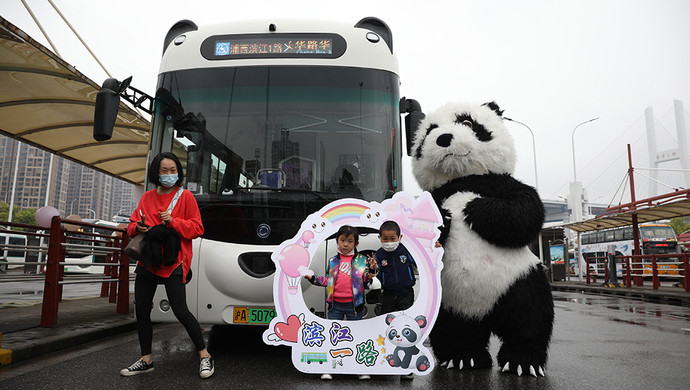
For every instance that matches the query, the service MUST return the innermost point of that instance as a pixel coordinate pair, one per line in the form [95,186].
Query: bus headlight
[164,305]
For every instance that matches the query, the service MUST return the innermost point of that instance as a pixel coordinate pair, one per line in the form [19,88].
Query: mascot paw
[423,363]
[390,360]
[525,369]
[524,362]
[468,362]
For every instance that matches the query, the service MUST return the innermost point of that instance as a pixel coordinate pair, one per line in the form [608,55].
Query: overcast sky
[549,64]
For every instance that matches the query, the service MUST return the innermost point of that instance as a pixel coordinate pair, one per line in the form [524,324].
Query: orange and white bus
[655,239]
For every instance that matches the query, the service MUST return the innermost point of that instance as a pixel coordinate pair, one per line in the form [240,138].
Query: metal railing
[636,268]
[33,239]
[114,279]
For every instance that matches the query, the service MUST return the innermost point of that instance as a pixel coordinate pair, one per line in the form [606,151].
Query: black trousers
[391,302]
[144,289]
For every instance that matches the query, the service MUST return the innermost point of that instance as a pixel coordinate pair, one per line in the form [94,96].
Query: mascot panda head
[461,139]
[403,331]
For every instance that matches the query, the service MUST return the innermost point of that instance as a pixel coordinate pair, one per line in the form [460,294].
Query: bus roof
[363,50]
[642,225]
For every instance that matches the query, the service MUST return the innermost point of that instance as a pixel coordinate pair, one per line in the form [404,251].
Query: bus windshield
[662,232]
[273,144]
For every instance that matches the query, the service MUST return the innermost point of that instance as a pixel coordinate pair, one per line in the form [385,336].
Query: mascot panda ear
[389,319]
[421,321]
[493,106]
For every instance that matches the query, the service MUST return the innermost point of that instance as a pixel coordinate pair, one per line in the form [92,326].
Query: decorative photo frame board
[321,345]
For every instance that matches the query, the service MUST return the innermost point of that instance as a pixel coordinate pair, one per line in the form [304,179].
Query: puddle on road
[643,311]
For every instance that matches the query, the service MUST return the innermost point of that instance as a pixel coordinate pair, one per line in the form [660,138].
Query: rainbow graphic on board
[345,212]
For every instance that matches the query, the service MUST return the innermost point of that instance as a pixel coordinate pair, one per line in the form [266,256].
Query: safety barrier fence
[633,269]
[67,243]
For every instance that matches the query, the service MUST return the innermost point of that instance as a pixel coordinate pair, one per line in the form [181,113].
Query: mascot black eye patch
[479,131]
[418,152]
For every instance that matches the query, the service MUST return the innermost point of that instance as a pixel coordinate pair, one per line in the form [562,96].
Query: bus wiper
[318,194]
[288,189]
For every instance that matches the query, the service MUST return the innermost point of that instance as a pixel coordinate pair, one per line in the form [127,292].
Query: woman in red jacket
[166,172]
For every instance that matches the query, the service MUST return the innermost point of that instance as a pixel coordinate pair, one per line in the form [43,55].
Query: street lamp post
[94,213]
[534,151]
[71,207]
[572,139]
[576,197]
[536,180]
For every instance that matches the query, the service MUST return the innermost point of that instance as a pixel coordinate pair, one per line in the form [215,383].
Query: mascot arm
[445,228]
[511,217]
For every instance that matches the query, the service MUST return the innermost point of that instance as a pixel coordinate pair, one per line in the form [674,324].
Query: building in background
[74,188]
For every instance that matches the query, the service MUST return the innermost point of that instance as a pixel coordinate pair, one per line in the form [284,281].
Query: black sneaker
[139,367]
[206,368]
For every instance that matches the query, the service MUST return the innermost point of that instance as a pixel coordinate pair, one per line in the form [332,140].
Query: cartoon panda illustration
[405,333]
[492,283]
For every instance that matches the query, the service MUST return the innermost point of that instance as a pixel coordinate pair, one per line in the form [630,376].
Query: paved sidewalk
[668,295]
[79,321]
[87,319]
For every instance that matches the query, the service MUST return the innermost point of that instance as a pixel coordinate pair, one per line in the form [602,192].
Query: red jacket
[186,220]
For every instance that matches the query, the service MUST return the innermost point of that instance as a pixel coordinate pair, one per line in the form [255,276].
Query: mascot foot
[518,369]
[390,360]
[530,362]
[423,363]
[464,362]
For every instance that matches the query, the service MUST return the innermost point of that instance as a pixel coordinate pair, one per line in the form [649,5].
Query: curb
[39,341]
[676,298]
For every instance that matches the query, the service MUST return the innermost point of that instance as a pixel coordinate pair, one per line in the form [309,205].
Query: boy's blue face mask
[168,181]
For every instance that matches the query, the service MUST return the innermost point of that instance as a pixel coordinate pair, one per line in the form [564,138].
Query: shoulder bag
[135,248]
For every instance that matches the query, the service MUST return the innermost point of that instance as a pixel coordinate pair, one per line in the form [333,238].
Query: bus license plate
[253,315]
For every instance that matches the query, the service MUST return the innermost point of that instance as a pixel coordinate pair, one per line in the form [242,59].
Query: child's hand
[372,262]
[308,277]
[437,244]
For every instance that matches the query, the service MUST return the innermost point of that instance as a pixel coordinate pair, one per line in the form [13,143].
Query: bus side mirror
[412,120]
[107,105]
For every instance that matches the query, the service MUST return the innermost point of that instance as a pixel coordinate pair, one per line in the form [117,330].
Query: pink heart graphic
[288,331]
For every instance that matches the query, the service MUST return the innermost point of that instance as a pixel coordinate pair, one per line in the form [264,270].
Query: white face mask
[390,246]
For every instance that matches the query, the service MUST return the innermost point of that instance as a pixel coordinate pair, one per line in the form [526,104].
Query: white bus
[654,239]
[272,120]
[81,260]
[13,249]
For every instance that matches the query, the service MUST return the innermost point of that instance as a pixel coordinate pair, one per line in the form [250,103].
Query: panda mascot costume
[492,283]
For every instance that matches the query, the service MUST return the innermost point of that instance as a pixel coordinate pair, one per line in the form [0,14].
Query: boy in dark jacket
[396,269]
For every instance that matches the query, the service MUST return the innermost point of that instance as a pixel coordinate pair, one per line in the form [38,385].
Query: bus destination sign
[270,46]
[226,47]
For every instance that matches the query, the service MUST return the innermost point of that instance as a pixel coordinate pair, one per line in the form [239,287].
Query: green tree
[5,211]
[26,216]
[680,224]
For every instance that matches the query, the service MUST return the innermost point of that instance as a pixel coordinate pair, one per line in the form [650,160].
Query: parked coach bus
[81,259]
[13,249]
[654,239]
[272,121]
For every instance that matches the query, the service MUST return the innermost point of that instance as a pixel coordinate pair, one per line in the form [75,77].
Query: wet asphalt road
[599,342]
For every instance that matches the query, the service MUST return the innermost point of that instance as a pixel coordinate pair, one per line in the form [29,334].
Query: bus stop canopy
[47,103]
[646,213]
